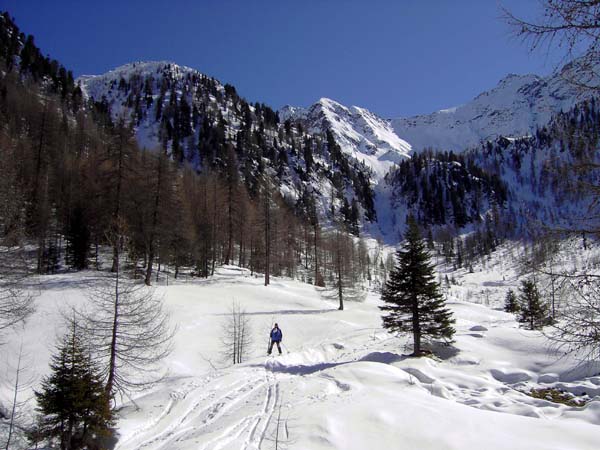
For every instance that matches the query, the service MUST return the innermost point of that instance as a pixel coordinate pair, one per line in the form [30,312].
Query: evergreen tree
[534,313]
[74,409]
[413,298]
[511,303]
[78,239]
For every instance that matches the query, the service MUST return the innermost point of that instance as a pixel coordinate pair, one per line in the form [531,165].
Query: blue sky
[394,57]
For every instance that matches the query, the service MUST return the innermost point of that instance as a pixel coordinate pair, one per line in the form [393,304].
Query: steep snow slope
[342,382]
[359,132]
[514,108]
[97,85]
[106,86]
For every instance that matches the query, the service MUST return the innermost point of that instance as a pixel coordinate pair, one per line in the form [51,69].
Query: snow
[105,86]
[142,68]
[515,107]
[342,382]
[360,133]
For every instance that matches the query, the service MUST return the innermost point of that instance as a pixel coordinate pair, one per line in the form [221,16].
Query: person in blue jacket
[276,336]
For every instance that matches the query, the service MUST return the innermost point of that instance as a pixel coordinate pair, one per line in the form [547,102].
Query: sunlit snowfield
[342,382]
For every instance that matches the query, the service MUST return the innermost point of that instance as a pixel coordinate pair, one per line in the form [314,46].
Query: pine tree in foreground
[534,313]
[413,298]
[73,406]
[511,304]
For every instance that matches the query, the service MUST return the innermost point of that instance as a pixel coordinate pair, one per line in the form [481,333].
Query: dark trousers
[271,347]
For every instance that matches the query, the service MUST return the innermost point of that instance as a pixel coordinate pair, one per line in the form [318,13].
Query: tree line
[75,179]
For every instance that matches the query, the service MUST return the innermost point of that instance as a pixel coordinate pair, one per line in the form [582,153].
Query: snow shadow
[308,369]
[352,296]
[218,280]
[444,351]
[65,281]
[284,312]
[584,369]
[383,357]
[302,369]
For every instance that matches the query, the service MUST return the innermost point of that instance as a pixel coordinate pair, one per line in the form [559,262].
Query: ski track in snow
[204,412]
[259,428]
[347,384]
[239,412]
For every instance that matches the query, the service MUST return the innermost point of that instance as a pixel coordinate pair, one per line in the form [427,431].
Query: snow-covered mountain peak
[142,68]
[448,110]
[94,86]
[516,106]
[135,91]
[360,133]
[330,104]
[513,78]
[289,112]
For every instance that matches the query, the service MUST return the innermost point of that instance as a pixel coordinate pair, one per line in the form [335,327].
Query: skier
[276,336]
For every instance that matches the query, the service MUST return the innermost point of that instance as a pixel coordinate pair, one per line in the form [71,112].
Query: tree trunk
[316,253]
[150,259]
[117,210]
[267,235]
[242,246]
[251,254]
[228,254]
[113,343]
[15,393]
[40,147]
[416,328]
[148,279]
[339,280]
[214,229]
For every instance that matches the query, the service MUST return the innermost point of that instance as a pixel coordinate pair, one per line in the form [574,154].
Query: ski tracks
[213,416]
[253,426]
[261,424]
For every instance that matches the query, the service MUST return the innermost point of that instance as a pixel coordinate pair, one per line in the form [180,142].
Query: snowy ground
[342,382]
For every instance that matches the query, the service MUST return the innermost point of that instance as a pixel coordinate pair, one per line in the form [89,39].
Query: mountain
[122,99]
[437,188]
[359,132]
[516,107]
[335,160]
[419,168]
[205,124]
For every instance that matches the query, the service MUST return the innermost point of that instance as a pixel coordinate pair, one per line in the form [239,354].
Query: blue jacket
[276,335]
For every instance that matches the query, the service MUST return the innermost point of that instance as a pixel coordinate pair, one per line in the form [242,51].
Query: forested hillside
[206,125]
[76,181]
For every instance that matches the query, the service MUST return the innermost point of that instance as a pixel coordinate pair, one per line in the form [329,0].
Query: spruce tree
[511,303]
[534,313]
[413,297]
[74,409]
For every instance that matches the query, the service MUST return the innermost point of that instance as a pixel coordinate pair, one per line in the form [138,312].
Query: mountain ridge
[371,153]
[515,107]
[198,121]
